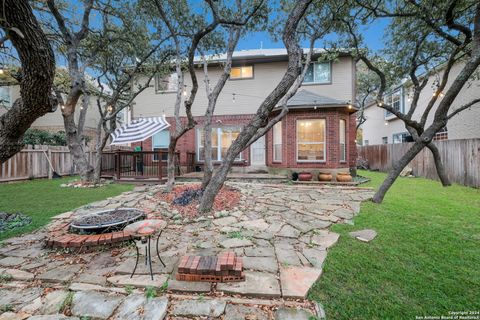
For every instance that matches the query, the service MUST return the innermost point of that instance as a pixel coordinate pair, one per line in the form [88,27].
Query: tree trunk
[442,174]
[260,119]
[171,164]
[76,146]
[397,168]
[38,70]
[207,148]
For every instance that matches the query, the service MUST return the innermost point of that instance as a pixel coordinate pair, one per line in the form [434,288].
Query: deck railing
[143,164]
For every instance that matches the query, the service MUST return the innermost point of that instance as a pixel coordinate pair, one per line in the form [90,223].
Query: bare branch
[85,21]
[463,107]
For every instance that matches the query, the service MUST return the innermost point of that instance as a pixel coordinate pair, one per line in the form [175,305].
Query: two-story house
[317,133]
[382,127]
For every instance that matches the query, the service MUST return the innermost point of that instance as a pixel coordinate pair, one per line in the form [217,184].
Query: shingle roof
[307,98]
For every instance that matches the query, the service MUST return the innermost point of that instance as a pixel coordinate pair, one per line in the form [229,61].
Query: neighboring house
[382,127]
[317,133]
[53,121]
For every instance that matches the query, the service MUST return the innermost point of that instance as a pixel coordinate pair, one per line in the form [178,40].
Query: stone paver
[296,281]
[236,243]
[53,301]
[138,307]
[267,264]
[11,261]
[213,308]
[326,240]
[140,281]
[60,274]
[292,314]
[315,256]
[53,317]
[223,222]
[188,286]
[95,304]
[239,312]
[16,274]
[366,235]
[256,284]
[260,252]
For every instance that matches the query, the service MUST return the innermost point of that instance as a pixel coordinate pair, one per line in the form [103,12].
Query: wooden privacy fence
[461,159]
[32,163]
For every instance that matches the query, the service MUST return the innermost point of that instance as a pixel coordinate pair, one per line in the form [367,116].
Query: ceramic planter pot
[344,177]
[325,176]
[304,176]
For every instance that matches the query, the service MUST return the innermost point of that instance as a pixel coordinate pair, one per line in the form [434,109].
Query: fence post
[49,161]
[117,164]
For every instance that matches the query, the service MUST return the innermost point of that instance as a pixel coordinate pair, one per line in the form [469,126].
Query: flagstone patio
[282,232]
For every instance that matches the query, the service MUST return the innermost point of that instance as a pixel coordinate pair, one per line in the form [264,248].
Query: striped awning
[139,130]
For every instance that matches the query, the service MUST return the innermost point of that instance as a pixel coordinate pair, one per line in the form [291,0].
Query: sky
[372,35]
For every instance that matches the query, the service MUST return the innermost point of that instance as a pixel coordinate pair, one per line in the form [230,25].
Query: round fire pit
[106,221]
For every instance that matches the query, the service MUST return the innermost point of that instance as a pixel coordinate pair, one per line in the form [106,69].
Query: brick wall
[187,143]
[332,118]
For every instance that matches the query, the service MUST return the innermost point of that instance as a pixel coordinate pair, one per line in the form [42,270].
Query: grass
[424,261]
[42,199]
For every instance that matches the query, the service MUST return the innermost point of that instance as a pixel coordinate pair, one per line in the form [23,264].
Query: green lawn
[43,199]
[424,261]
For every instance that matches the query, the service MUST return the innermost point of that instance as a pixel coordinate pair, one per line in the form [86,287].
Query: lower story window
[277,142]
[222,138]
[343,140]
[311,140]
[160,141]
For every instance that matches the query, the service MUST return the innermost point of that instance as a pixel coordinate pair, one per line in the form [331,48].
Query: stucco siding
[249,93]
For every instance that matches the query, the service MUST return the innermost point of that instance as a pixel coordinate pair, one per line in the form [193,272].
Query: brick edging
[59,236]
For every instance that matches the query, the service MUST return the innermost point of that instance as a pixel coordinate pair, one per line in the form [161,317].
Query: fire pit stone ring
[106,220]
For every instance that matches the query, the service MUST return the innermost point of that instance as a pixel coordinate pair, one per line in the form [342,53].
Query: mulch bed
[226,199]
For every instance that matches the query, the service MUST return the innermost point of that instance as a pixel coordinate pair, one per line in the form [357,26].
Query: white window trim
[156,80]
[389,100]
[324,143]
[329,81]
[397,134]
[274,143]
[219,146]
[343,155]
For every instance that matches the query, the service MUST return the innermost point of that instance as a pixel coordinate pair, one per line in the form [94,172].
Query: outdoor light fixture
[1,70]
[350,106]
[184,90]
[233,97]
[386,123]
[63,107]
[380,104]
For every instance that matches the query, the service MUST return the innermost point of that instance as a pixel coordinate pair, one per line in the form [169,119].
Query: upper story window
[5,98]
[318,72]
[165,84]
[245,72]
[395,100]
